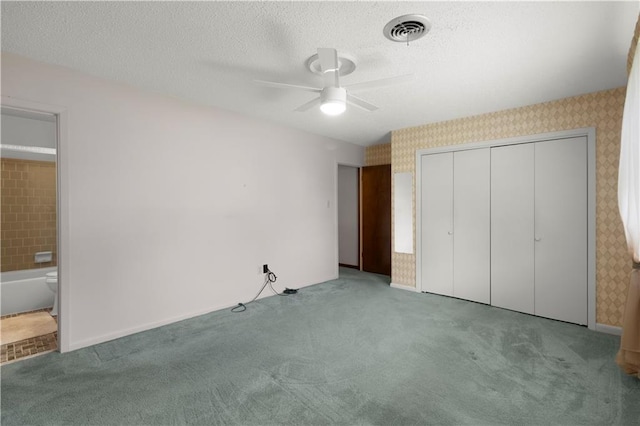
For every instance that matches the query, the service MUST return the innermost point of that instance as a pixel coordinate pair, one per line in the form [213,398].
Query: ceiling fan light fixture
[333,100]
[333,107]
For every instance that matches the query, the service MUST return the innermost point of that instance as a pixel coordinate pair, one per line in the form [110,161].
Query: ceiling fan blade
[380,83]
[287,86]
[356,101]
[308,105]
[329,65]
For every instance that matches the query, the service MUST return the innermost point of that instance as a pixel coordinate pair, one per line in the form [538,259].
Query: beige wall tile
[27,213]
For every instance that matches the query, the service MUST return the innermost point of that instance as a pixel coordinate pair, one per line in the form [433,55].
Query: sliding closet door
[561,229]
[437,227]
[512,227]
[471,224]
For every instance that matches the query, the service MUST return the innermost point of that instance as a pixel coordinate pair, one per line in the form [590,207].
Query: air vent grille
[407,28]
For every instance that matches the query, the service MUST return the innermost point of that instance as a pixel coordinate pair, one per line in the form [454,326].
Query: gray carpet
[348,351]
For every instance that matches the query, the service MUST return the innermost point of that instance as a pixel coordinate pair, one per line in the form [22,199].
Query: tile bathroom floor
[28,347]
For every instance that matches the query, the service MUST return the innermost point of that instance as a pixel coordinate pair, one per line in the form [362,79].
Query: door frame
[590,134]
[62,213]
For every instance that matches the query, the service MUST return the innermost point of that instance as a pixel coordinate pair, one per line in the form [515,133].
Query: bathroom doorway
[29,233]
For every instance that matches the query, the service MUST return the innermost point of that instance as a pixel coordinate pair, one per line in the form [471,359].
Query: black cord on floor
[270,278]
[239,305]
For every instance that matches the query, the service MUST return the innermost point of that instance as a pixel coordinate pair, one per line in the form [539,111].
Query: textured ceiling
[478,57]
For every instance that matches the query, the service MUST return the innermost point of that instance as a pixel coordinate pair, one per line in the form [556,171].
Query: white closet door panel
[561,229]
[512,226]
[471,225]
[437,227]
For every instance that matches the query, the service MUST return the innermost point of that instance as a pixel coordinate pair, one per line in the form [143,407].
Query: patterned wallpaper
[377,155]
[602,110]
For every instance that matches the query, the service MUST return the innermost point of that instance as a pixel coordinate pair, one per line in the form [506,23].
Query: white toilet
[52,282]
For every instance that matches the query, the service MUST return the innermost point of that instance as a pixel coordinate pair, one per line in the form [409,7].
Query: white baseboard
[609,329]
[404,287]
[145,327]
[150,326]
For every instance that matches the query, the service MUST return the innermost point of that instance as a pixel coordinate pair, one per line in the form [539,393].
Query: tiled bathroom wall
[27,213]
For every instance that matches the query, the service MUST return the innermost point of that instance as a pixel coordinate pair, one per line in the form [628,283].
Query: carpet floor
[348,351]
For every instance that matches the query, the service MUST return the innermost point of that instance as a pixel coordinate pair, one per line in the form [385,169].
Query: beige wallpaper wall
[377,155]
[27,213]
[602,110]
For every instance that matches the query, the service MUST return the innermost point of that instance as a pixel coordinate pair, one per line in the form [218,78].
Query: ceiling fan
[333,98]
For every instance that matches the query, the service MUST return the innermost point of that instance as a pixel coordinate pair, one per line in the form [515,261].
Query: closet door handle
[450,232]
[538,239]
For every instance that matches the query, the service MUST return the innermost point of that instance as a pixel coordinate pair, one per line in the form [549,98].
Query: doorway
[349,216]
[29,216]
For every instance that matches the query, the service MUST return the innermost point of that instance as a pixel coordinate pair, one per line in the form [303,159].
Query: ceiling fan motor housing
[334,94]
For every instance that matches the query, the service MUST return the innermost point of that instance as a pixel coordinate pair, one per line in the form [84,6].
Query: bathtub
[26,290]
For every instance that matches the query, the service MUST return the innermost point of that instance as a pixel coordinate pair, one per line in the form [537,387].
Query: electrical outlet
[265,268]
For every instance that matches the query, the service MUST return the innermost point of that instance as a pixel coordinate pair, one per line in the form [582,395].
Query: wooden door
[437,223]
[376,219]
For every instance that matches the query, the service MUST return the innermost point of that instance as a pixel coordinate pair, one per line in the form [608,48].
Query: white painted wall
[173,207]
[348,215]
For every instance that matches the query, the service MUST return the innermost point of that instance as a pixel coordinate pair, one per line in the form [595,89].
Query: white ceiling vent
[406,28]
